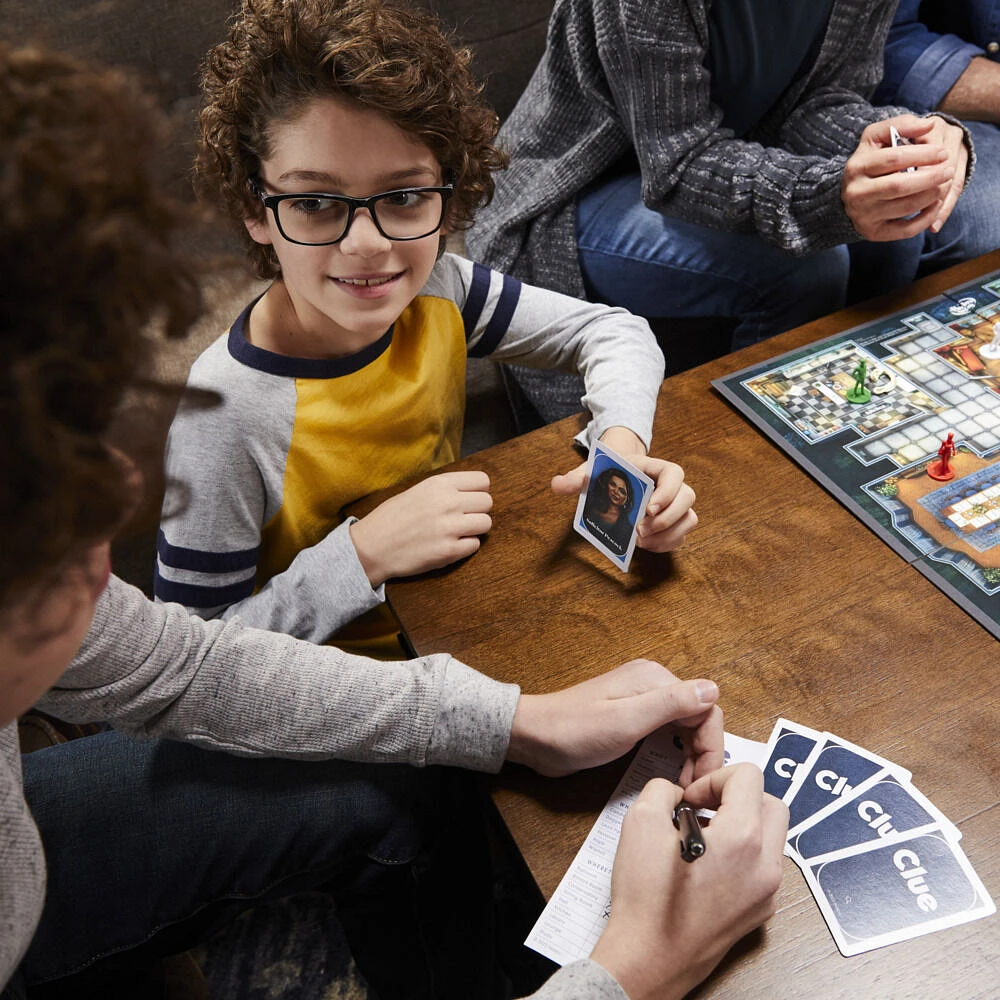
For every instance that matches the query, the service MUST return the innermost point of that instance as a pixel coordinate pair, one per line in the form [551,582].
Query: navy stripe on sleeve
[178,557]
[193,596]
[500,320]
[473,307]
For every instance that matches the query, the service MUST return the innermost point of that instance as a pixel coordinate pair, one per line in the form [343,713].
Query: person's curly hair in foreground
[87,245]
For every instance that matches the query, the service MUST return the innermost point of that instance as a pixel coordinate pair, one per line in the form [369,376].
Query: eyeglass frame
[271,201]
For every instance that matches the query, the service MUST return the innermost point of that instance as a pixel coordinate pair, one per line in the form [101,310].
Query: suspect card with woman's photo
[613,502]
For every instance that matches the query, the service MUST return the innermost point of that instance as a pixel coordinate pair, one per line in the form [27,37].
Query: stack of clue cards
[882,862]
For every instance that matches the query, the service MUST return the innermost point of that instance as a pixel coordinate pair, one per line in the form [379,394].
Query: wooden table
[791,605]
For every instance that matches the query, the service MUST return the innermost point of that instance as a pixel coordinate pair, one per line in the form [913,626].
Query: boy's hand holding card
[612,504]
[667,514]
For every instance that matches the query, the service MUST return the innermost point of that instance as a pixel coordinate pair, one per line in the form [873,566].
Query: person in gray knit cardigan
[245,763]
[685,158]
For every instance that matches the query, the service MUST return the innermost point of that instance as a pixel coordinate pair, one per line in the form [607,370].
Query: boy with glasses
[243,765]
[347,139]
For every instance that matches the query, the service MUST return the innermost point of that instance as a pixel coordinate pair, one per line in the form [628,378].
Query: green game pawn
[859,393]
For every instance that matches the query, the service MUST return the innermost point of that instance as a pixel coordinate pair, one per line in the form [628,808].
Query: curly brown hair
[282,54]
[89,258]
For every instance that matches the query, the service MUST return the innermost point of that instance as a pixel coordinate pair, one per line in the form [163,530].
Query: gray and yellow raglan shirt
[252,523]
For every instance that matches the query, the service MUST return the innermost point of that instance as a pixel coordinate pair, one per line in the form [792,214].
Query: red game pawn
[941,469]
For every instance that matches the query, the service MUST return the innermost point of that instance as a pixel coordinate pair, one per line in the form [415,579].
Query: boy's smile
[332,301]
[370,286]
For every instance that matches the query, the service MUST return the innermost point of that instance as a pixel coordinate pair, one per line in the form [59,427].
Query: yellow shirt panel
[400,416]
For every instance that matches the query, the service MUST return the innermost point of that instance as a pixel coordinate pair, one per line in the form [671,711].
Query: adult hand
[950,137]
[672,921]
[883,198]
[432,524]
[598,720]
[669,514]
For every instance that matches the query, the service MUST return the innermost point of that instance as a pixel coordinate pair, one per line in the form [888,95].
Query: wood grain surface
[790,604]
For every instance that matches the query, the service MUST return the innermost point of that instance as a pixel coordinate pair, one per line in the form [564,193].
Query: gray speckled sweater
[154,671]
[629,75]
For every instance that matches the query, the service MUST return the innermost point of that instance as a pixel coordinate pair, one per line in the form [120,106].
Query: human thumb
[569,484]
[677,702]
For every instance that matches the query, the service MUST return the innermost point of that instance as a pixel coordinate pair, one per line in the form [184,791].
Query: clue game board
[900,420]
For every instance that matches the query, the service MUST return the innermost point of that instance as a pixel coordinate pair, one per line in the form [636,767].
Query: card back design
[881,809]
[892,892]
[790,744]
[834,769]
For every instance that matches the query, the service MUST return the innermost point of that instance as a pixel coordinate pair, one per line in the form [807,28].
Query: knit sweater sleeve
[155,671]
[621,79]
[22,864]
[783,179]
[583,980]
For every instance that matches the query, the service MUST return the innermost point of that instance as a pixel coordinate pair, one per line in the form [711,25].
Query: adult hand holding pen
[672,922]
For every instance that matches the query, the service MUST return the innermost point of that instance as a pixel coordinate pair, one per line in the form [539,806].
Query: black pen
[692,841]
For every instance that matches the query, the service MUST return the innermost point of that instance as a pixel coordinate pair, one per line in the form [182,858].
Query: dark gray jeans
[149,845]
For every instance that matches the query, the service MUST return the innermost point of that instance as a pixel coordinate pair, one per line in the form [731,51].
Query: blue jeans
[973,228]
[655,265]
[150,844]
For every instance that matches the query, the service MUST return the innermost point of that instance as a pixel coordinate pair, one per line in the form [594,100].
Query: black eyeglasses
[315,220]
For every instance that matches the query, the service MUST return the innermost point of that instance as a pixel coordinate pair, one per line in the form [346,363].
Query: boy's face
[347,295]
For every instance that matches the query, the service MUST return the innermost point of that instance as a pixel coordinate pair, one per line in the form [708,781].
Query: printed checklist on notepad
[579,909]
